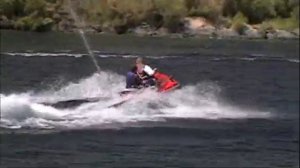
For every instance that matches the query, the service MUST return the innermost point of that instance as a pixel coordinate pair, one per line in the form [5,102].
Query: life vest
[146,73]
[164,82]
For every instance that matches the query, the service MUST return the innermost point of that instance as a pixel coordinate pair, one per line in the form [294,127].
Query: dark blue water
[252,119]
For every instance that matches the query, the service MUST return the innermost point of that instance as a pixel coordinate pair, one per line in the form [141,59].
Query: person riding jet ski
[140,75]
[143,75]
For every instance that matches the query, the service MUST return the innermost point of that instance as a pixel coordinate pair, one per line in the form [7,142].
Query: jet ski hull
[126,94]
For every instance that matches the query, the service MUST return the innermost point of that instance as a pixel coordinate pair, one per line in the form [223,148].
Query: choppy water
[237,107]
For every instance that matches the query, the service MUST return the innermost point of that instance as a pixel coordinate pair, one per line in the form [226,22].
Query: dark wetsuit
[134,80]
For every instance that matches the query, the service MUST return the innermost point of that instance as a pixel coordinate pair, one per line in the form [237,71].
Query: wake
[25,110]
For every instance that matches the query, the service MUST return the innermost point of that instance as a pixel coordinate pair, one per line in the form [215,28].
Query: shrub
[205,12]
[34,23]
[52,1]
[295,13]
[282,23]
[24,23]
[282,8]
[209,9]
[177,7]
[124,14]
[42,25]
[173,23]
[37,6]
[6,8]
[230,8]
[293,3]
[12,8]
[285,23]
[155,19]
[261,10]
[239,23]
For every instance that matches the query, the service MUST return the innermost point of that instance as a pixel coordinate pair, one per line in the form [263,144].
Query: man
[132,79]
[141,75]
[145,72]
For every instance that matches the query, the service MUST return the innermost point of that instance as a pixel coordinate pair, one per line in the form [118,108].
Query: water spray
[83,37]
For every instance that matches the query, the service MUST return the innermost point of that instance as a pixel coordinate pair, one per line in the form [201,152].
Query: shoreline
[217,34]
[213,19]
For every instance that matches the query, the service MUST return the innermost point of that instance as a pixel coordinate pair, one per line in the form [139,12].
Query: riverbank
[196,27]
[184,18]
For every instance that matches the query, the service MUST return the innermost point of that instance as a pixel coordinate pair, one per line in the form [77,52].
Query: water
[238,105]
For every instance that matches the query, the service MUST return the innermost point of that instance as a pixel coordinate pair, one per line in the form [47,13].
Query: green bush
[225,22]
[209,9]
[293,3]
[261,10]
[155,19]
[265,28]
[34,24]
[283,24]
[124,14]
[37,6]
[290,23]
[205,12]
[176,7]
[239,22]
[42,24]
[295,13]
[230,8]
[12,8]
[173,23]
[51,1]
[24,23]
[282,8]
[6,8]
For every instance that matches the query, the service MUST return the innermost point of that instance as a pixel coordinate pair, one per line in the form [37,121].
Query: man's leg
[149,82]
[131,80]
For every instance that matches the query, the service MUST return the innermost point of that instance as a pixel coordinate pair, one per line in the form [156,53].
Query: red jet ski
[164,82]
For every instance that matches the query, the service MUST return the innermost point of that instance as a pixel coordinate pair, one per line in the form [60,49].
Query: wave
[41,54]
[77,55]
[200,101]
[252,59]
[293,60]
[100,54]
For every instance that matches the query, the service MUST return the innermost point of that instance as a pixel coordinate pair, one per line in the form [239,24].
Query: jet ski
[163,84]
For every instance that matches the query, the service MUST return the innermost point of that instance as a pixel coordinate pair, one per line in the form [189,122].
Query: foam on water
[77,55]
[42,54]
[194,101]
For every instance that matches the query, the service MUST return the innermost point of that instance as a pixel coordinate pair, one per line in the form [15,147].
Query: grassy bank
[122,15]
